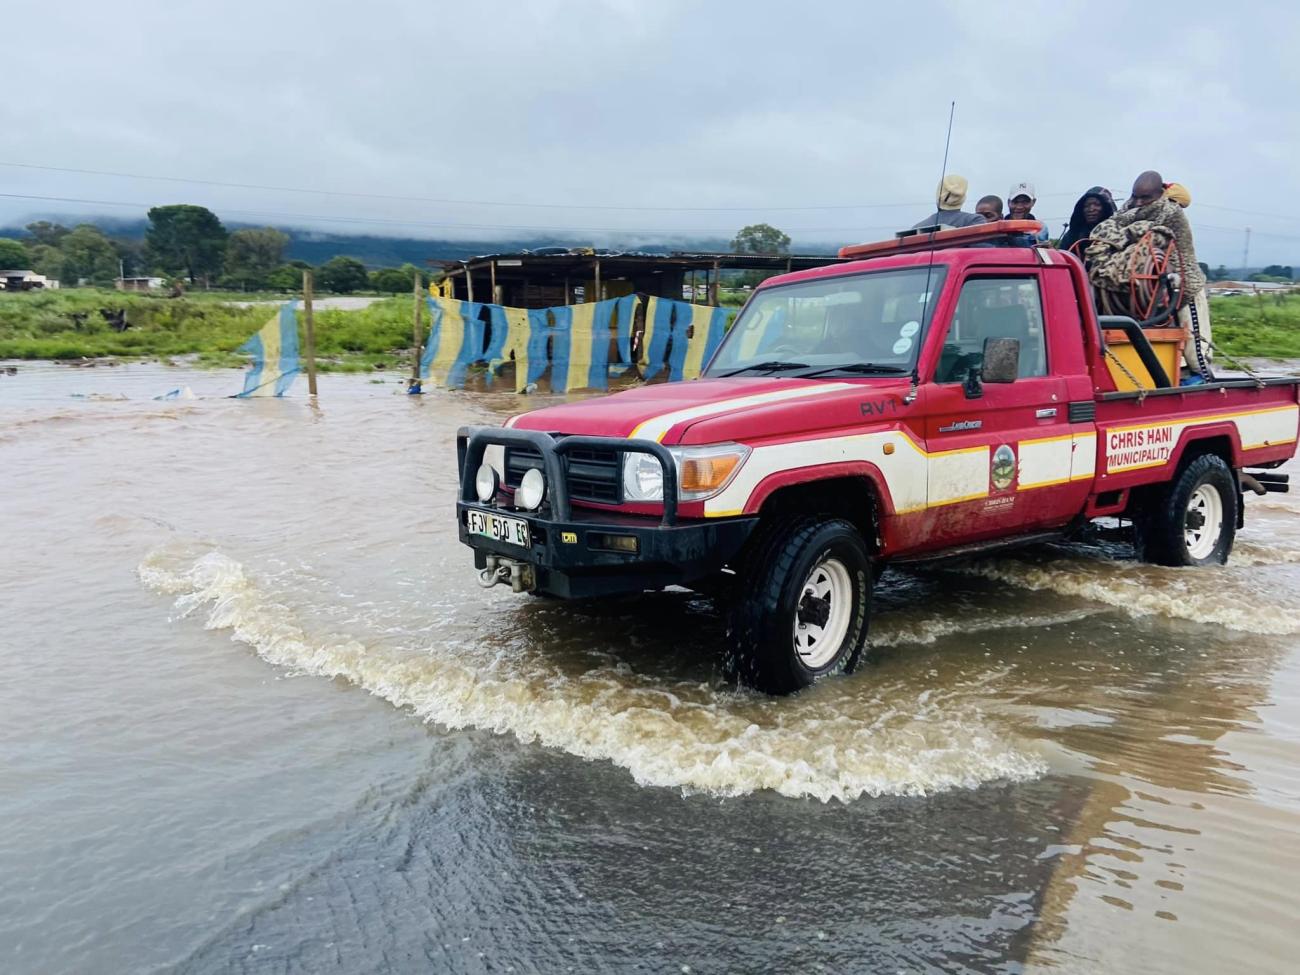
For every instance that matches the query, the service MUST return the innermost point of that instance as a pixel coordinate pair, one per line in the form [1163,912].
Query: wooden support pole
[416,335]
[716,287]
[492,268]
[311,332]
[599,295]
[469,284]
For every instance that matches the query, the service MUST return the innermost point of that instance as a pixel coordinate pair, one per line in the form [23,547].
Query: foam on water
[843,740]
[1225,596]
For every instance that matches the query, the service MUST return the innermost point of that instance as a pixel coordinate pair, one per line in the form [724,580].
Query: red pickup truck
[923,402]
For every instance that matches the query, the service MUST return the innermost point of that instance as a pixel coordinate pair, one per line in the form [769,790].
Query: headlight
[701,472]
[532,489]
[485,482]
[643,478]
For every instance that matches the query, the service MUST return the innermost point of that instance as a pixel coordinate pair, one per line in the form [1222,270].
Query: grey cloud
[753,105]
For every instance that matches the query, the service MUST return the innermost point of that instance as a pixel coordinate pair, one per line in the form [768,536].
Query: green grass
[67,324]
[1257,325]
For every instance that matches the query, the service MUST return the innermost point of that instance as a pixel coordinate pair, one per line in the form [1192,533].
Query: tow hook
[519,575]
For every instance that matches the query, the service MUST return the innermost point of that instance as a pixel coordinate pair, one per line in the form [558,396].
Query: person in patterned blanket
[1148,210]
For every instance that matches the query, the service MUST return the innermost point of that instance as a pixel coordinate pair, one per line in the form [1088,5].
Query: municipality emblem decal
[1003,468]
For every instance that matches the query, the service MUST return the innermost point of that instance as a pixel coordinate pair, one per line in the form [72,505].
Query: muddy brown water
[256,716]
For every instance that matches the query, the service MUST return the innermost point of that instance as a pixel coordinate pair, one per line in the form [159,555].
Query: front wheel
[1195,522]
[803,605]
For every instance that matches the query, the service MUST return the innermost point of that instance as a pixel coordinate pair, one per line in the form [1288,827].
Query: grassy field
[68,324]
[1257,325]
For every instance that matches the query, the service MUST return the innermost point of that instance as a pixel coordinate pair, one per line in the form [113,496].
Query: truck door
[996,463]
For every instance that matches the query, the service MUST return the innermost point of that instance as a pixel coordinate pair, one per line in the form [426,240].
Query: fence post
[415,334]
[311,332]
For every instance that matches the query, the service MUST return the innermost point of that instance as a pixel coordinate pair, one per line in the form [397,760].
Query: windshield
[866,322]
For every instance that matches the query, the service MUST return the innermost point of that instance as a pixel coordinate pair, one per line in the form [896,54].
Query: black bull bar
[473,442]
[568,548]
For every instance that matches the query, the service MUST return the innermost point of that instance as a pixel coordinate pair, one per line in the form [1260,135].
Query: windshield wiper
[875,368]
[776,365]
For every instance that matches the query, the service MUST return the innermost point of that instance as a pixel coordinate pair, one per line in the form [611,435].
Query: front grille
[592,474]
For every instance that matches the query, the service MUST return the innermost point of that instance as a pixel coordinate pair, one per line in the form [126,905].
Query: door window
[994,308]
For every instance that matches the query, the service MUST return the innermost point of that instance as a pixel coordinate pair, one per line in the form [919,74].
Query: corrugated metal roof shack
[561,276]
[551,277]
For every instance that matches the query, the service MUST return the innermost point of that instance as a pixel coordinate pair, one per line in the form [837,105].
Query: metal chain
[1196,338]
[1235,362]
[1142,390]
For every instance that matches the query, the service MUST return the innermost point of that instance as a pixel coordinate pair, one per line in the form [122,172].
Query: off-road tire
[1162,532]
[765,610]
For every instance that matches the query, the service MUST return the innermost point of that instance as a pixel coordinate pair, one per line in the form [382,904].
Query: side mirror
[1001,361]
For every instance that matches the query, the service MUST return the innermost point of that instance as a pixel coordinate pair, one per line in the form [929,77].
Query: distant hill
[316,247]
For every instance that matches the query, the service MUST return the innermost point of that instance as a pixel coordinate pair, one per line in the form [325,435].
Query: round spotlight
[485,482]
[531,490]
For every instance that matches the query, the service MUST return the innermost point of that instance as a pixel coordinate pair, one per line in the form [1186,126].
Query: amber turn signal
[707,473]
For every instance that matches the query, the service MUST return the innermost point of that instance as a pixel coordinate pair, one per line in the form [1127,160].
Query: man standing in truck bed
[1149,202]
[951,195]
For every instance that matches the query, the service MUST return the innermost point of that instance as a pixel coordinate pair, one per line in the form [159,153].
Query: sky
[629,123]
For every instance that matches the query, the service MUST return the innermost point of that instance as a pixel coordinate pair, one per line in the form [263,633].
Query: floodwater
[257,716]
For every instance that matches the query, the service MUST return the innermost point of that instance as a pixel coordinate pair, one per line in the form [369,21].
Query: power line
[434,223]
[655,231]
[451,202]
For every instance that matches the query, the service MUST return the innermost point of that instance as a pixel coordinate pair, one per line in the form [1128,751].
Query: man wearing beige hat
[952,194]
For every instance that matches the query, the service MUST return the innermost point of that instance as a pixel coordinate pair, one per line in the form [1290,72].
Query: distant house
[1225,288]
[138,284]
[25,281]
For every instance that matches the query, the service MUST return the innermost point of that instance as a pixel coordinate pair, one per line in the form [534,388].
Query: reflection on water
[1043,744]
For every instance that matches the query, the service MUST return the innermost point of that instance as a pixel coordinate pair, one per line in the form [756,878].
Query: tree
[131,255]
[761,238]
[186,238]
[342,275]
[47,260]
[1220,273]
[88,254]
[13,255]
[47,233]
[396,280]
[252,255]
[1279,271]
[287,277]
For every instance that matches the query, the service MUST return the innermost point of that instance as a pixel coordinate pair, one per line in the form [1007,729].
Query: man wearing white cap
[1020,205]
[950,197]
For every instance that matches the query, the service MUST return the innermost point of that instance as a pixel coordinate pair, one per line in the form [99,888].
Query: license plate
[512,530]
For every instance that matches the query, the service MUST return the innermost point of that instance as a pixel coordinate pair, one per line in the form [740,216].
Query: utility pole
[1245,257]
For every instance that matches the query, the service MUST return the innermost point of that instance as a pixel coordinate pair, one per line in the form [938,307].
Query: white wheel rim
[827,594]
[1205,512]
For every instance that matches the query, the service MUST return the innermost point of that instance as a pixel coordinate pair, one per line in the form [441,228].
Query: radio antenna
[929,267]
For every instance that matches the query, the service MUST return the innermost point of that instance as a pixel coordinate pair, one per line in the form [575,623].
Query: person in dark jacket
[950,197]
[1093,207]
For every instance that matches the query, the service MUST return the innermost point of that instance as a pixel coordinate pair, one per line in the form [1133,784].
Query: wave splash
[846,739]
[1229,596]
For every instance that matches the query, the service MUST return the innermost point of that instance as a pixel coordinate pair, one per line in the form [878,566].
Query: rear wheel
[1195,521]
[802,605]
